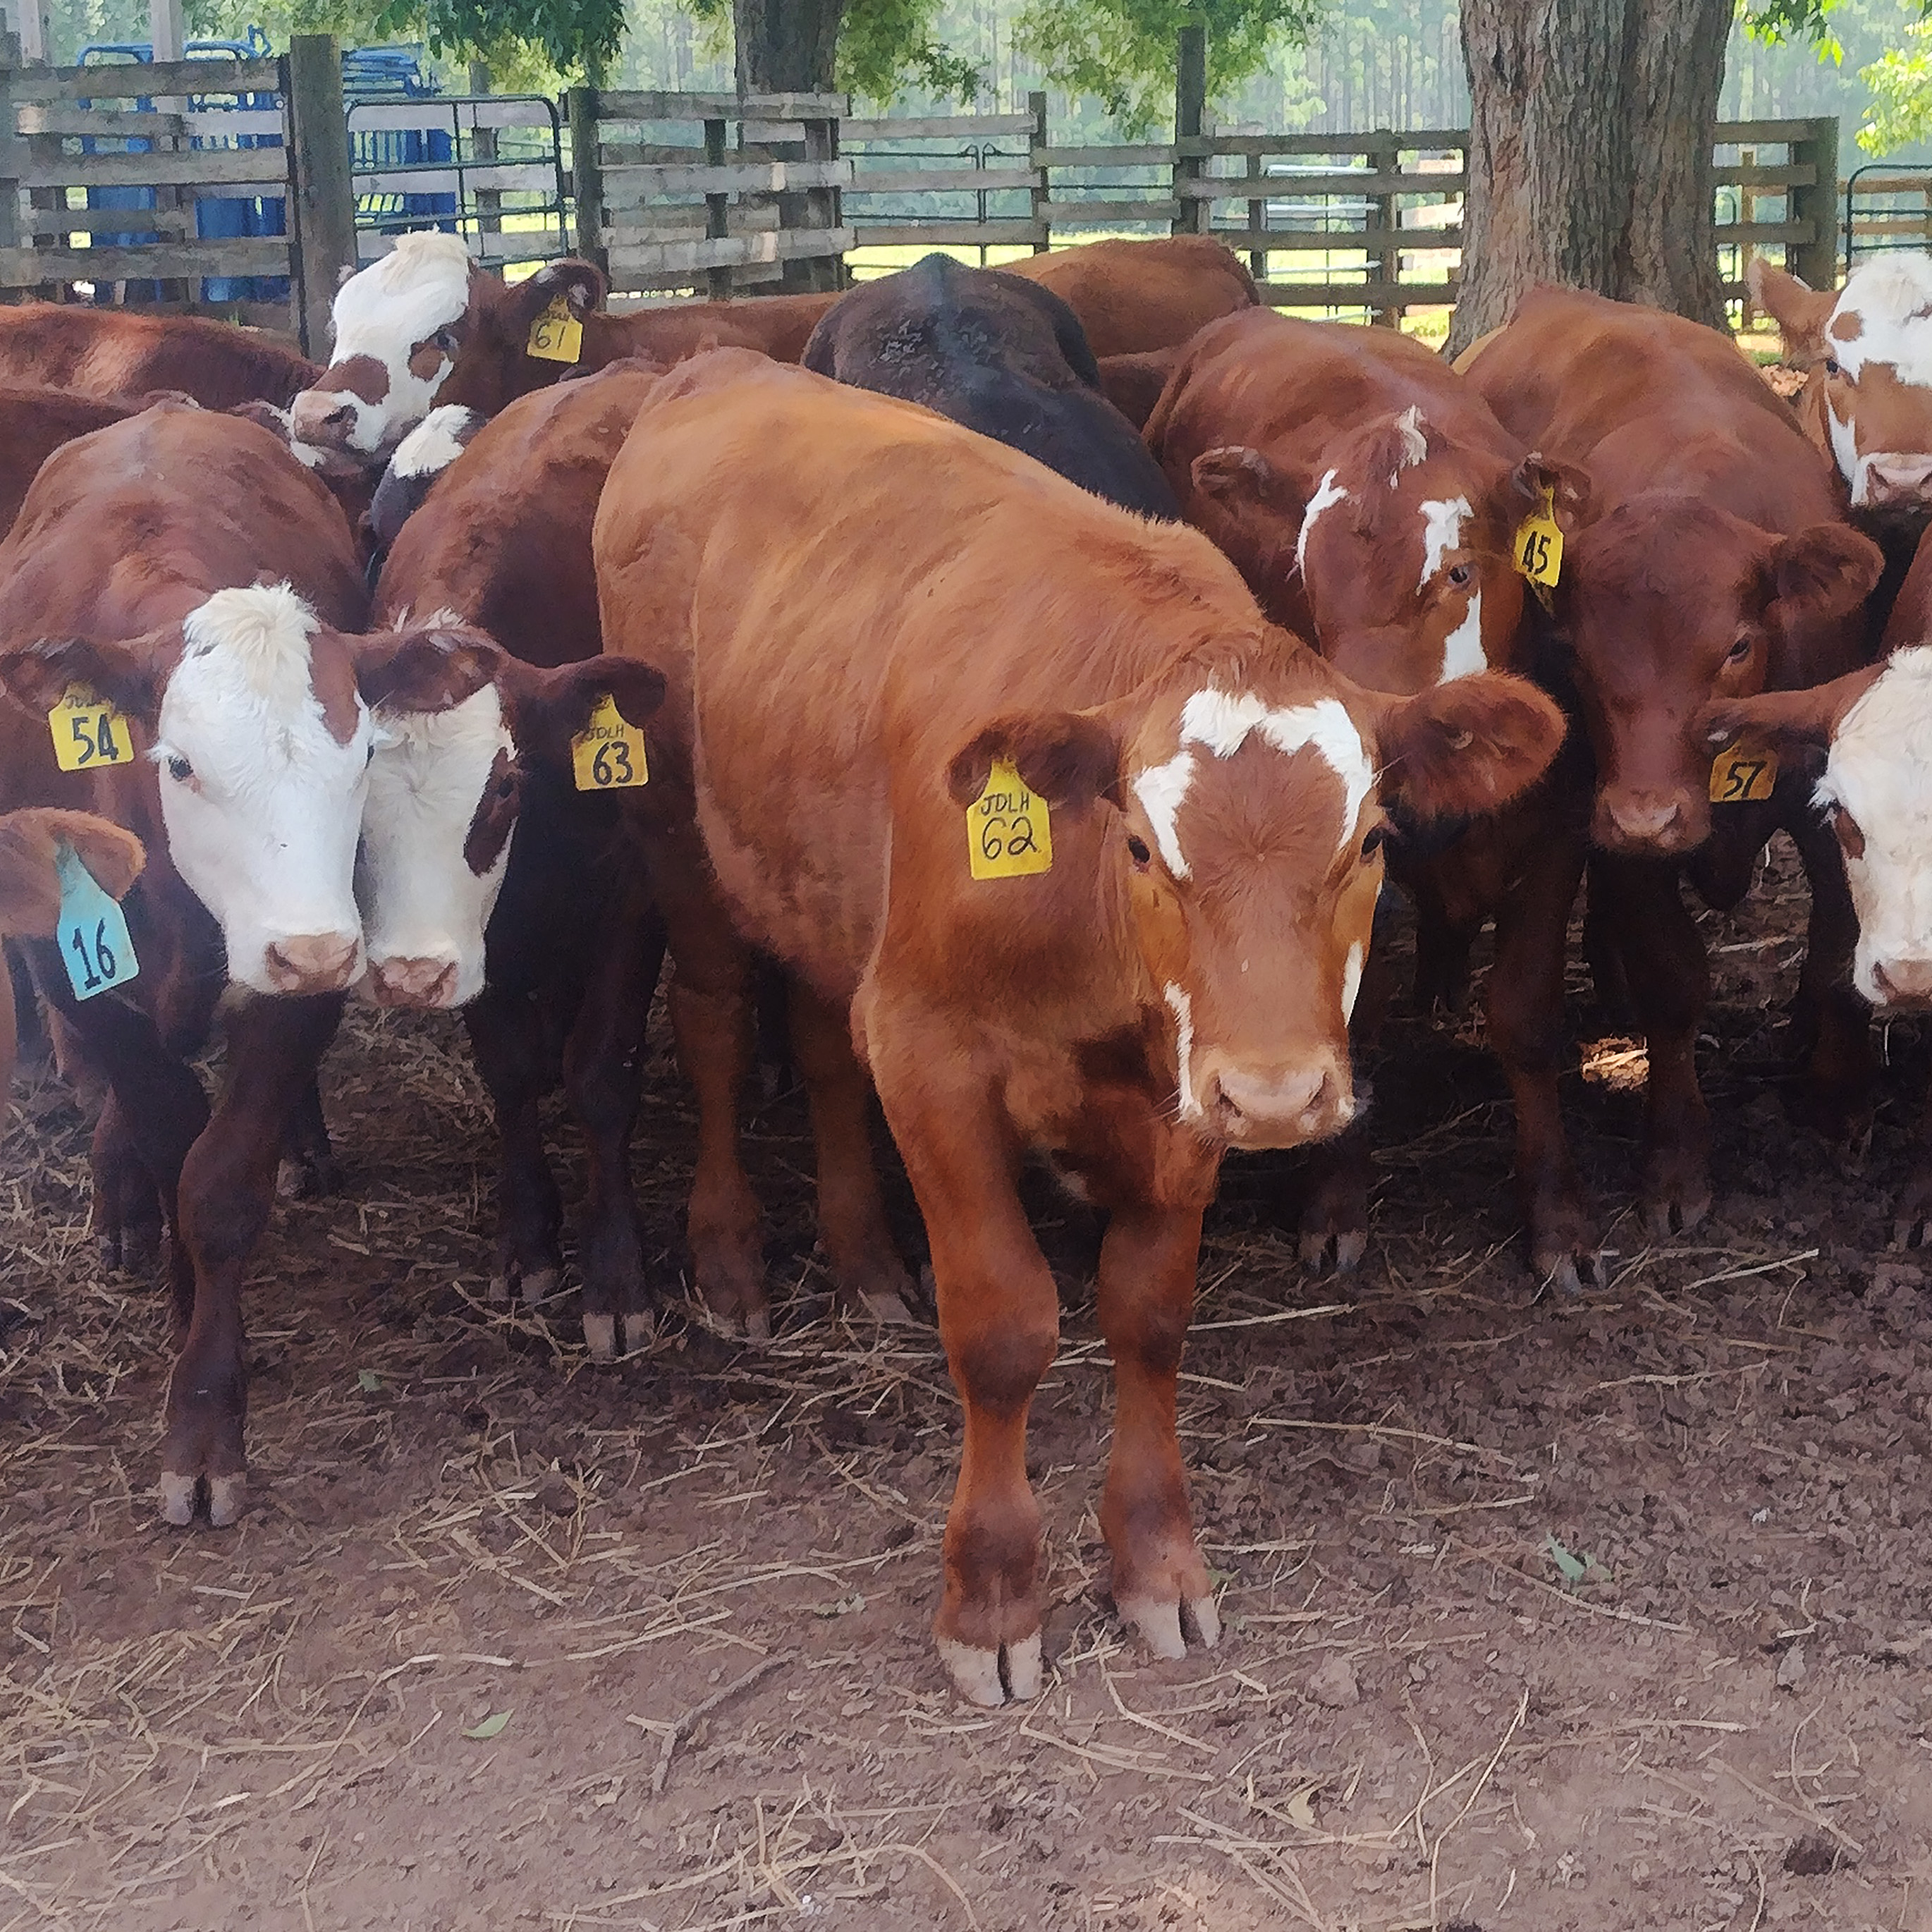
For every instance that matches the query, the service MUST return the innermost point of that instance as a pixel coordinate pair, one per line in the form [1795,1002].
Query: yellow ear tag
[88,732]
[556,335]
[1740,775]
[1007,835]
[1539,544]
[608,754]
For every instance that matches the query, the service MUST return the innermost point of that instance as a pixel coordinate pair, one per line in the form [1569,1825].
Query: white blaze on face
[1352,979]
[262,802]
[1442,521]
[1183,1010]
[1889,300]
[1221,721]
[1880,771]
[1415,449]
[1327,493]
[424,911]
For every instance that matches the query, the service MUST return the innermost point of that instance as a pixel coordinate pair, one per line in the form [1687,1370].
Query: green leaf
[370,1382]
[1574,1569]
[489,1727]
[845,1606]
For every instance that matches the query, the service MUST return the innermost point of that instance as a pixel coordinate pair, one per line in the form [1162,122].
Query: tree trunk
[786,47]
[1591,132]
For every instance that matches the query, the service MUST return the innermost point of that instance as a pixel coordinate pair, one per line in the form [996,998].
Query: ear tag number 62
[1008,834]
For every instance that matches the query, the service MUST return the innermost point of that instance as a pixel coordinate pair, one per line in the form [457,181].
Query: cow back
[110,354]
[1133,296]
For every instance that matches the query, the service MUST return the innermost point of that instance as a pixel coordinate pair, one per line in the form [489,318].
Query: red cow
[34,423]
[1133,296]
[110,353]
[898,653]
[1714,564]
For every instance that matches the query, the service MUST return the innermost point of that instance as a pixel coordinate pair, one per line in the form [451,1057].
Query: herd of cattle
[940,653]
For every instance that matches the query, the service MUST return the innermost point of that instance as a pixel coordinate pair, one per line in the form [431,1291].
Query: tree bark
[786,47]
[1590,164]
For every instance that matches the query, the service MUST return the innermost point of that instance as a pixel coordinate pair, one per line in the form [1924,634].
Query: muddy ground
[442,1674]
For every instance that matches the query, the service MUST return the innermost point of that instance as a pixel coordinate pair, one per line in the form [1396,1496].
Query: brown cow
[1133,296]
[503,541]
[34,423]
[1714,564]
[899,644]
[110,353]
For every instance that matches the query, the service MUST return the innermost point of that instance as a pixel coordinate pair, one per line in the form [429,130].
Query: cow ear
[1464,748]
[1233,474]
[580,284]
[1789,722]
[1569,489]
[129,675]
[1800,311]
[29,885]
[1069,757]
[551,707]
[432,667]
[1826,571]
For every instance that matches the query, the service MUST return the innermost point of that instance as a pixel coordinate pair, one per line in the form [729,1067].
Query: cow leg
[871,1276]
[1836,1095]
[1669,982]
[1526,1020]
[506,1037]
[1602,949]
[227,1190]
[307,1171]
[603,1073]
[1147,1261]
[126,1205]
[1912,1216]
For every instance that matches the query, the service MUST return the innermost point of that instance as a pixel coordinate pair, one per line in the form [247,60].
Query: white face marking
[1221,721]
[1415,441]
[383,311]
[264,827]
[1891,296]
[1327,494]
[1441,532]
[437,442]
[1161,789]
[1352,980]
[1856,470]
[422,905]
[1462,649]
[1880,770]
[1183,1010]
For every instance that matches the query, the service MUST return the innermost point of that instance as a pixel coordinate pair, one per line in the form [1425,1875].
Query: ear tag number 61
[88,732]
[556,335]
[1008,835]
[91,932]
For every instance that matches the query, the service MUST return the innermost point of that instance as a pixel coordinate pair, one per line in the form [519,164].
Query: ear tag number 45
[1539,544]
[1007,833]
[88,732]
[608,754]
[556,335]
[92,932]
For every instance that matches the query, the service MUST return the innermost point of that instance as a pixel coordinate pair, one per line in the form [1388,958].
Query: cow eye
[447,339]
[1137,846]
[1460,573]
[1372,844]
[180,770]
[1831,366]
[1738,652]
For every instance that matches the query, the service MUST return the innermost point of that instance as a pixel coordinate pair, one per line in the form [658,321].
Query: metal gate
[1887,205]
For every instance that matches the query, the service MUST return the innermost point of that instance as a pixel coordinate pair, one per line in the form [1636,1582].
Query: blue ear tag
[92,934]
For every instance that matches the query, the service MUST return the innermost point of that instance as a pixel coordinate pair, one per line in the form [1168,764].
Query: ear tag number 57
[556,335]
[1742,775]
[1539,544]
[92,930]
[88,732]
[608,754]
[1007,833]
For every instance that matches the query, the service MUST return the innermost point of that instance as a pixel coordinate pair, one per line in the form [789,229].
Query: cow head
[1872,727]
[1243,818]
[1670,603]
[420,458]
[262,748]
[463,728]
[424,325]
[1402,546]
[1868,402]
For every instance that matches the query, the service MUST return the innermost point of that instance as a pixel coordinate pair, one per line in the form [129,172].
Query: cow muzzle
[1897,478]
[1902,980]
[312,962]
[324,417]
[424,983]
[1654,822]
[1251,1106]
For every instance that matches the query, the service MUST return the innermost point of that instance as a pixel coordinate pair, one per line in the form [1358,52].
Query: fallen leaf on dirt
[489,1727]
[1333,1686]
[1811,1857]
[1301,1811]
[1792,1668]
[368,1381]
[845,1606]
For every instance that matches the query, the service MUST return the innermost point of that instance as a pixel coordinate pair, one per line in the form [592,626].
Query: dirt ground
[1573,1614]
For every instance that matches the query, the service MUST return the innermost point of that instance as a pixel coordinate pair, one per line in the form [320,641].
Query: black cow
[1001,355]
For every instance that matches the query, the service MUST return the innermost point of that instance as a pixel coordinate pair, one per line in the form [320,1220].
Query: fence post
[1190,113]
[1042,191]
[1816,261]
[718,282]
[482,148]
[820,209]
[1385,260]
[11,149]
[586,174]
[322,197]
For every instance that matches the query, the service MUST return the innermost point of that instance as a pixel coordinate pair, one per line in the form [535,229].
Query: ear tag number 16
[88,732]
[1539,544]
[556,335]
[608,754]
[1008,836]
[92,932]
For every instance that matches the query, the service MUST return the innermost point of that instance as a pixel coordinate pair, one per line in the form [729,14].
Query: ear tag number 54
[1007,833]
[92,930]
[608,754]
[556,335]
[88,732]
[1539,544]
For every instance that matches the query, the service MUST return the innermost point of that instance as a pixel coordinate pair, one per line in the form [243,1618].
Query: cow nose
[1893,478]
[312,962]
[1905,980]
[1652,821]
[323,416]
[1277,1106]
[414,982]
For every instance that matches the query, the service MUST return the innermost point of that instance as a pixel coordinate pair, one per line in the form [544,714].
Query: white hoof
[977,1674]
[885,1307]
[539,1286]
[1158,1620]
[600,1336]
[1023,1669]
[1201,1622]
[227,1497]
[499,1291]
[758,1325]
[177,1499]
[640,1331]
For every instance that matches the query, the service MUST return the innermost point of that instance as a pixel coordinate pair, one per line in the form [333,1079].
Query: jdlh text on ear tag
[608,754]
[556,335]
[1742,775]
[1007,834]
[88,732]
[1539,544]
[92,932]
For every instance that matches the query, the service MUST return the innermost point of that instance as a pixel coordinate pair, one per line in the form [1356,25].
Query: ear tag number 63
[608,754]
[1008,835]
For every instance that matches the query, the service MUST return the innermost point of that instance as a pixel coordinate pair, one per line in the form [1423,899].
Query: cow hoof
[1345,1246]
[539,1285]
[178,1498]
[499,1291]
[1674,1212]
[1168,1625]
[640,1331]
[600,1336]
[1570,1273]
[758,1323]
[990,1677]
[227,1497]
[883,1305]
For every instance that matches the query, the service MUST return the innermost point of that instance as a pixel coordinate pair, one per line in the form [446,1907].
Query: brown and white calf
[109,354]
[1196,802]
